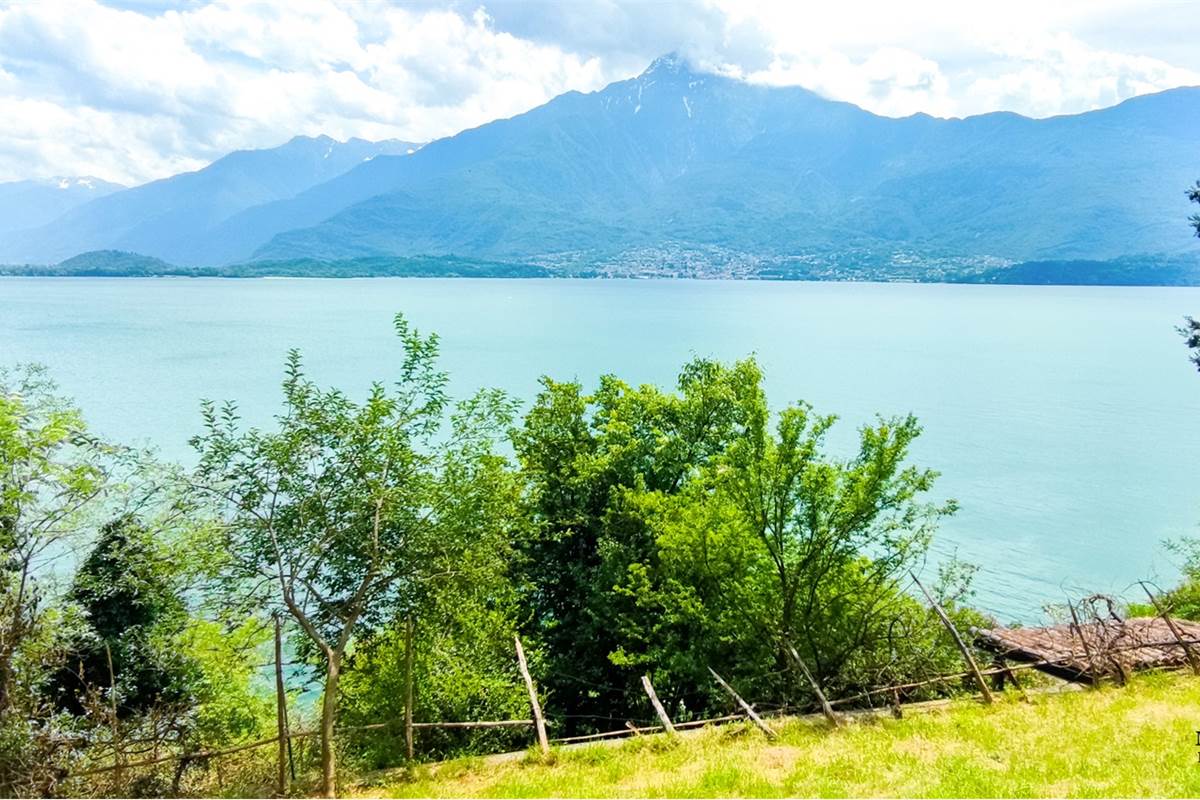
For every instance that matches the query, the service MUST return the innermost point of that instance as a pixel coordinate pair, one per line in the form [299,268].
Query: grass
[1135,741]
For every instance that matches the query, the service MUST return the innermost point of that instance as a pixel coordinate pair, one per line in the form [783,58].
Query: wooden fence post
[962,647]
[538,723]
[826,709]
[281,785]
[118,748]
[755,718]
[408,688]
[658,707]
[1162,612]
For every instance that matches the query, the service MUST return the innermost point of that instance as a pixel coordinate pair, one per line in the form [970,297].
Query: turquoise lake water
[1065,420]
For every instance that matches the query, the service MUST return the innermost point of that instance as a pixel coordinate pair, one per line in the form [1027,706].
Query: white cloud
[131,94]
[90,89]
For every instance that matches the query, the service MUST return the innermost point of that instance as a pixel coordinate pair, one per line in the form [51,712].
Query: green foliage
[53,476]
[587,460]
[1190,331]
[463,670]
[641,531]
[230,704]
[1193,194]
[775,544]
[349,511]
[126,589]
[677,532]
[464,667]
[1183,600]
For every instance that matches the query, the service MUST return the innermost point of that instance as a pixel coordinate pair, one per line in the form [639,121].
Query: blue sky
[133,91]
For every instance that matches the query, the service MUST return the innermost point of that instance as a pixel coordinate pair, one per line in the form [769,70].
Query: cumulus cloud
[87,88]
[136,92]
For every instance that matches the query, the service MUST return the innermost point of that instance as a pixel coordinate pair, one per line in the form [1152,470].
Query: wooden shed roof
[1095,648]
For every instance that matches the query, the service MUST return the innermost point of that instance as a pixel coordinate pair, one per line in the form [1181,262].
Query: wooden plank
[538,722]
[658,707]
[755,718]
[502,723]
[826,709]
[697,723]
[1162,612]
[962,647]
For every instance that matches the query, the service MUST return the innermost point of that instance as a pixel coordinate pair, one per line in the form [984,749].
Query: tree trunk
[328,714]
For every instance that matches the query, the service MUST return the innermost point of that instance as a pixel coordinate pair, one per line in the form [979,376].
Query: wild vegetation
[620,531]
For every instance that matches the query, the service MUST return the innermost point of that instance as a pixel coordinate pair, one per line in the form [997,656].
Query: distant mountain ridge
[30,203]
[677,158]
[173,218]
[681,172]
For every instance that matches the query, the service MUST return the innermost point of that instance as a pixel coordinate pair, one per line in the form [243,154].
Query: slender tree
[342,509]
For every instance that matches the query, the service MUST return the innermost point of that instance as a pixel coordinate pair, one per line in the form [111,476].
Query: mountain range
[681,172]
[174,218]
[31,203]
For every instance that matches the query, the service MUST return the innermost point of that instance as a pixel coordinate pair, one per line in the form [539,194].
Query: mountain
[676,164]
[27,204]
[172,219]
[679,172]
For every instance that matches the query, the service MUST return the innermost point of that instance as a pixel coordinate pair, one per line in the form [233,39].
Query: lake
[1065,420]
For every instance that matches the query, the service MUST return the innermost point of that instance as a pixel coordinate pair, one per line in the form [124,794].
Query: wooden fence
[1100,654]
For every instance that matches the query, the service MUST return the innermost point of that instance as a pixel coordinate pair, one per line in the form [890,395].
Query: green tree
[584,457]
[778,544]
[342,508]
[464,665]
[129,593]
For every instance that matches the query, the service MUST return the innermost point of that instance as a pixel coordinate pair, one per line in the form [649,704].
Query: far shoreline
[607,279]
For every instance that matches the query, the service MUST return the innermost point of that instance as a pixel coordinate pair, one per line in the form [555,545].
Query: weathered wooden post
[281,785]
[658,707]
[755,718]
[538,723]
[962,647]
[1162,612]
[408,687]
[118,745]
[826,709]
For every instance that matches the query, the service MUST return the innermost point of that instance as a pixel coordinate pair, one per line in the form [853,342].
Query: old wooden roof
[1095,648]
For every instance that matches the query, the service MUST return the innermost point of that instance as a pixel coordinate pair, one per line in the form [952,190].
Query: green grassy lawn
[1134,741]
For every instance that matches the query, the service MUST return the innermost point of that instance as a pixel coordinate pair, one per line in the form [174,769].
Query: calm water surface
[1064,420]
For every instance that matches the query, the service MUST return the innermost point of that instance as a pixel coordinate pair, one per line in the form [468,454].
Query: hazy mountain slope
[673,156]
[173,217]
[27,204]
